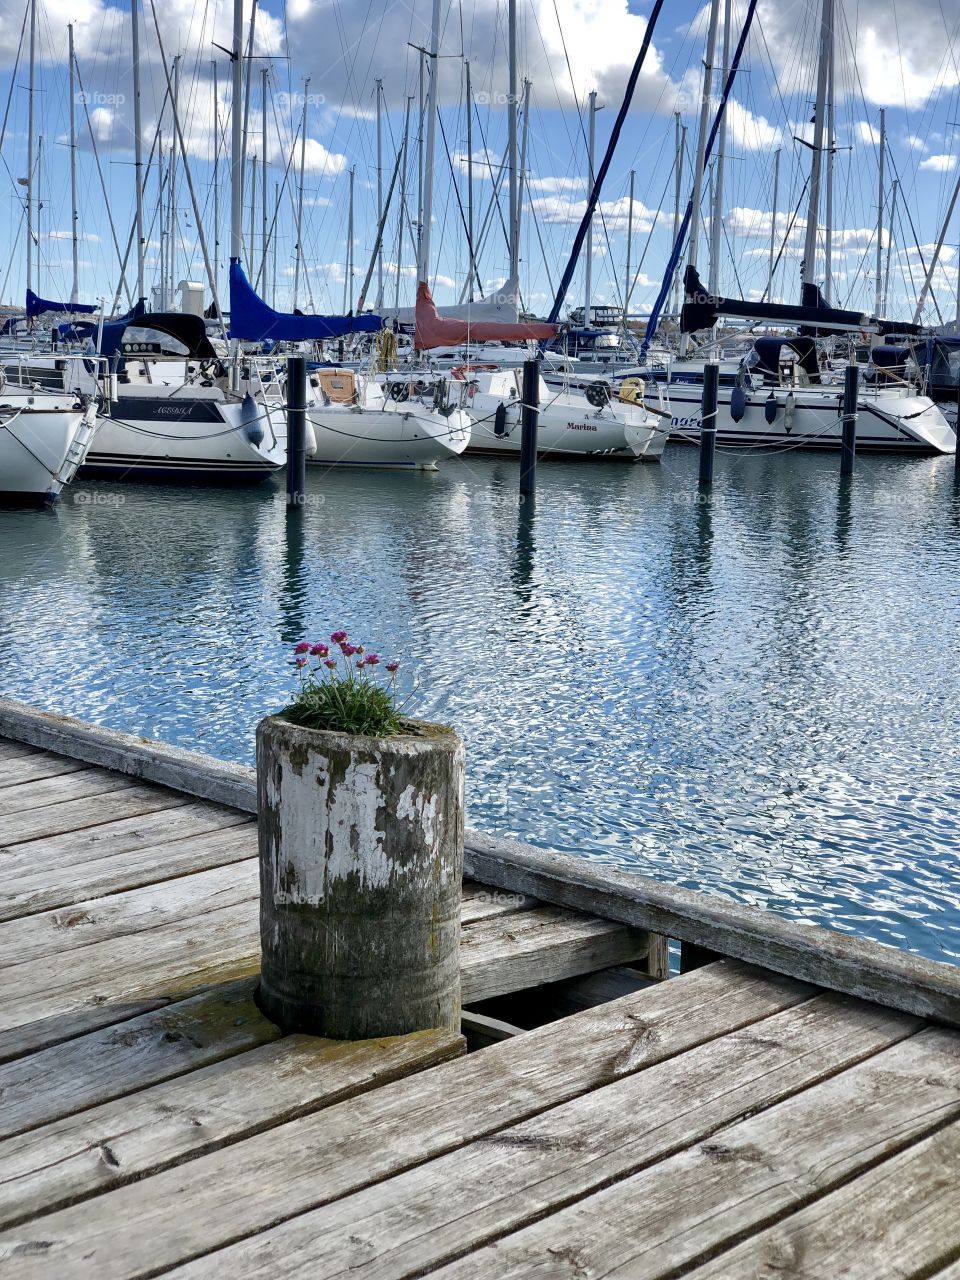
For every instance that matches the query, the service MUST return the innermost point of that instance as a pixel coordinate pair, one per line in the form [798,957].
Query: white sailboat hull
[417,437]
[189,438]
[41,446]
[886,421]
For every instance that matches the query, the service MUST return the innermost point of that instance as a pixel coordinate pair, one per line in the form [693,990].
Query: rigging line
[786,239]
[13,81]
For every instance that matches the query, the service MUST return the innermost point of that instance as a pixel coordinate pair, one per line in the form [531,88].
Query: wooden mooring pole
[361,871]
[708,422]
[529,418]
[296,430]
[848,440]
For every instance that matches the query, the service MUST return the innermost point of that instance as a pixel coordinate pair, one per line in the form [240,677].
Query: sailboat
[782,393]
[46,425]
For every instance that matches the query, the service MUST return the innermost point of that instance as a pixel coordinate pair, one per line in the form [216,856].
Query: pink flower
[372,659]
[303,647]
[338,637]
[393,666]
[319,651]
[348,650]
[331,663]
[300,662]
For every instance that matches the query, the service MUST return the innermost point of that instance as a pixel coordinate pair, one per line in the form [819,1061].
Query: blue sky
[902,57]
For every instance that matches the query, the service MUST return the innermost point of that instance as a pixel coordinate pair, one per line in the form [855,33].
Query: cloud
[89,236]
[939,164]
[865,132]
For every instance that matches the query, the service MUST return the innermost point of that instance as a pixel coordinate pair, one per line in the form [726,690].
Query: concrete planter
[361,869]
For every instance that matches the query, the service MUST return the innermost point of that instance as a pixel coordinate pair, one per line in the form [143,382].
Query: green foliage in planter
[342,693]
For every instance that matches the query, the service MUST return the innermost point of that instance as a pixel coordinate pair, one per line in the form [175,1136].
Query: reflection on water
[752,692]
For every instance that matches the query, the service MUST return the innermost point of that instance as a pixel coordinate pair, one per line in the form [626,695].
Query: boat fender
[399,391]
[738,403]
[250,420]
[771,409]
[500,421]
[789,412]
[598,394]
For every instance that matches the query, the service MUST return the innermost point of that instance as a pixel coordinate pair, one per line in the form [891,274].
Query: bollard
[296,430]
[848,441]
[529,417]
[708,422]
[361,873]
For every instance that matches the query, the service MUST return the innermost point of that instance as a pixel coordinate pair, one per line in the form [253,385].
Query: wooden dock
[788,1107]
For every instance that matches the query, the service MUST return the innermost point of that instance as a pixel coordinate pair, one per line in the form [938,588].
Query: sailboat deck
[731,1122]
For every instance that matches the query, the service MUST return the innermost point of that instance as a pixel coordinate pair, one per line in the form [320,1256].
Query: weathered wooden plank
[201,837]
[899,1219]
[47,1001]
[533,947]
[212,1201]
[87,1154]
[841,962]
[16,750]
[116,1060]
[682,1210]
[187,771]
[481,902]
[39,764]
[138,911]
[41,792]
[76,815]
[450,1206]
[482,1031]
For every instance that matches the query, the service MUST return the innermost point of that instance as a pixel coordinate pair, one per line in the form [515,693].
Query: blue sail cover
[37,306]
[253,321]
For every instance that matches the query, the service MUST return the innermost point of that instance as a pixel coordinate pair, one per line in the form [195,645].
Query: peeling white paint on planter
[361,865]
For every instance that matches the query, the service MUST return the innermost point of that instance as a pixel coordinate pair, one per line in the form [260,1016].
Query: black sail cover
[813,316]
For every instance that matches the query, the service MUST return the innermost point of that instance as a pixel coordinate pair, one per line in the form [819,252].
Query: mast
[588,247]
[263,177]
[423,56]
[75,287]
[348,268]
[809,266]
[303,160]
[172,186]
[430,144]
[702,131]
[472,267]
[273,247]
[828,205]
[236,135]
[523,165]
[379,84]
[216,171]
[403,201]
[137,145]
[30,126]
[680,138]
[627,288]
[886,273]
[512,135]
[716,215]
[773,224]
[937,250]
[253,211]
[161,222]
[881,297]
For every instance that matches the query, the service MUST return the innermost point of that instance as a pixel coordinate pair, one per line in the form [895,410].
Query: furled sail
[502,304]
[39,306]
[435,330]
[252,320]
[813,316]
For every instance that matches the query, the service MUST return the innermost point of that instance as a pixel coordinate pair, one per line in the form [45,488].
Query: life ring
[400,391]
[598,394]
[461,370]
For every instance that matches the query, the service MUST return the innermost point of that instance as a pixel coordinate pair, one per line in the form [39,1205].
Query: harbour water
[754,694]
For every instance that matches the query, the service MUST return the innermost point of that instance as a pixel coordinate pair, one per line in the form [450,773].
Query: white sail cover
[502,304]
